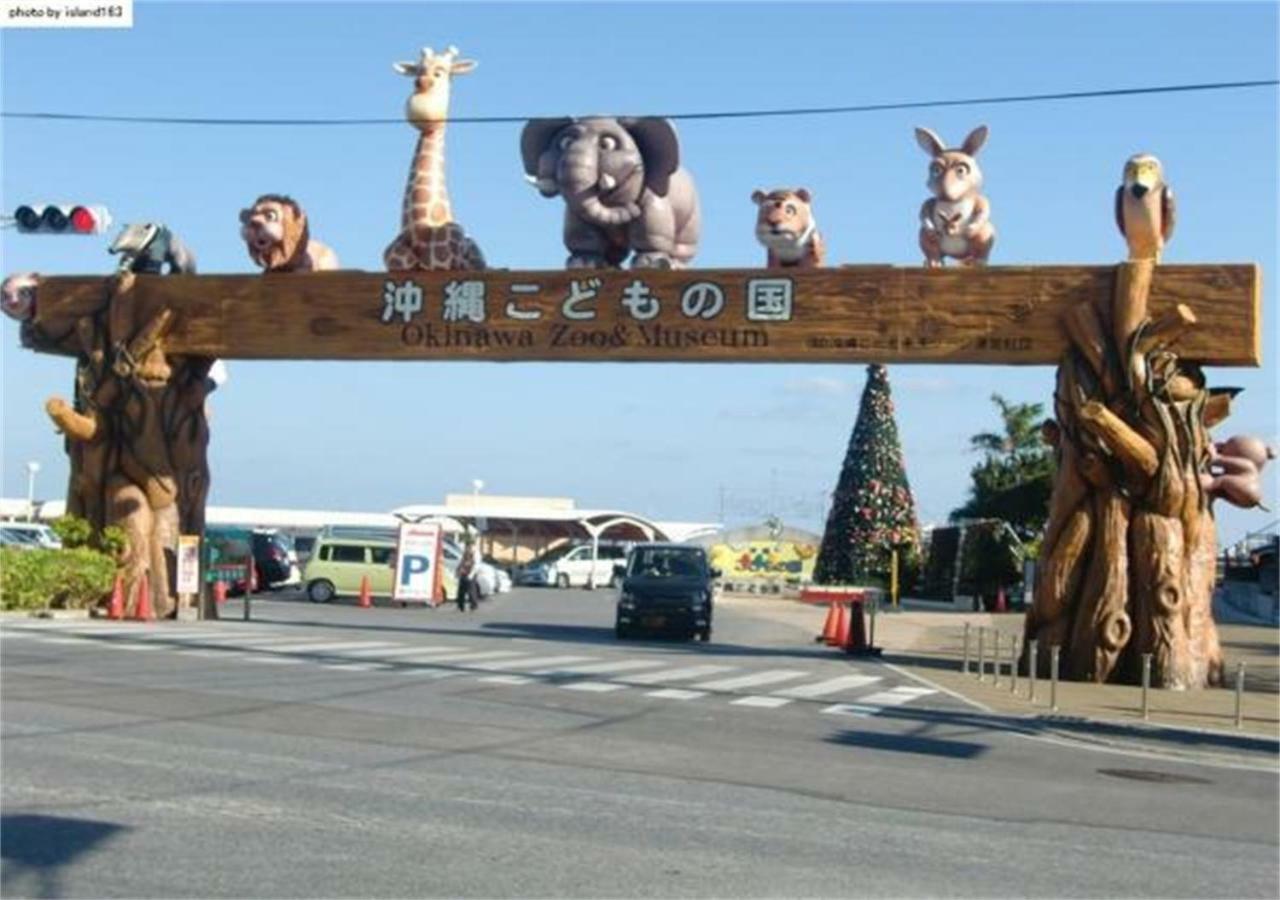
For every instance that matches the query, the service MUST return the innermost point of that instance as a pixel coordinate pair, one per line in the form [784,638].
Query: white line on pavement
[681,674]
[762,702]
[676,694]
[601,668]
[830,686]
[594,687]
[507,679]
[533,663]
[770,676]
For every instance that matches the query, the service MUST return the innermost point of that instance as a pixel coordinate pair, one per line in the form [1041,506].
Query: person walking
[468,590]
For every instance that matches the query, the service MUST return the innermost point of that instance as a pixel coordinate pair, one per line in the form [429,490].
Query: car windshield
[667,562]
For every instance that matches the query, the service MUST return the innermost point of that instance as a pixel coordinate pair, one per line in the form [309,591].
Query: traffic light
[55,218]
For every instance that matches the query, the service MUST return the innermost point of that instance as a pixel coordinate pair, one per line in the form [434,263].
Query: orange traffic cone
[842,627]
[143,611]
[828,635]
[219,592]
[366,595]
[115,608]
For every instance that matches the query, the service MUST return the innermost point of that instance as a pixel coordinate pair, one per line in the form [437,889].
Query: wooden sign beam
[1006,315]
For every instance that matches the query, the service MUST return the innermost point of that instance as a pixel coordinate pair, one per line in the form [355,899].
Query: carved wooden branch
[1130,447]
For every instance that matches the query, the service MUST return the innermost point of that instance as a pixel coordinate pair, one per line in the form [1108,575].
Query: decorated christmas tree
[872,511]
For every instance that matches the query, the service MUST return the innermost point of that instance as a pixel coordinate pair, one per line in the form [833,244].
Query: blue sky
[664,440]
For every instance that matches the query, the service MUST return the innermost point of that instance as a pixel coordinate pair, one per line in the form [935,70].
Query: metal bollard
[995,658]
[1054,652]
[964,667]
[1240,694]
[1033,661]
[1013,665]
[1146,685]
[982,657]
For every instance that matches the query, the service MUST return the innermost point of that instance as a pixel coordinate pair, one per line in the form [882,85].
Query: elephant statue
[623,188]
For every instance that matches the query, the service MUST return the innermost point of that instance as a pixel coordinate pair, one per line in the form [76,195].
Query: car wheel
[621,632]
[613,581]
[320,591]
[562,581]
[704,635]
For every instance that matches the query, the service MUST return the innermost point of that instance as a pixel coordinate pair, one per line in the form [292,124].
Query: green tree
[872,510]
[1014,480]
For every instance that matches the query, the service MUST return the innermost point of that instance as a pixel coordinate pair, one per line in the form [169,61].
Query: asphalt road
[521,751]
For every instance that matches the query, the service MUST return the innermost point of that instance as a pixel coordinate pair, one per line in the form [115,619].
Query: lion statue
[275,231]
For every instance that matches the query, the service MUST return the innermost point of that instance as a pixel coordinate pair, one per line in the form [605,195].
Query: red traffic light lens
[82,220]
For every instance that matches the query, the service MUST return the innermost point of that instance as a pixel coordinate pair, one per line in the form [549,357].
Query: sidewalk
[930,645]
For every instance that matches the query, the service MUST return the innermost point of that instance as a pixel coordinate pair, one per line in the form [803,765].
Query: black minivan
[665,588]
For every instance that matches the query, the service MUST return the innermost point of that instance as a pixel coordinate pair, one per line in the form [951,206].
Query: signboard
[188,564]
[418,576]
[1007,315]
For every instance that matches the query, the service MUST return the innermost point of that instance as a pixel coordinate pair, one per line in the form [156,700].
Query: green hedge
[54,579]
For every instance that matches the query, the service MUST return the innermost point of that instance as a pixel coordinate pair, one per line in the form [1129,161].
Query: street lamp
[32,468]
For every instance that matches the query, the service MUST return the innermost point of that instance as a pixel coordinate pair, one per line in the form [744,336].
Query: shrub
[73,530]
[113,541]
[54,579]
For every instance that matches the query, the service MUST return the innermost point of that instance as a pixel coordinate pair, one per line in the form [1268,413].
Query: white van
[575,569]
[41,535]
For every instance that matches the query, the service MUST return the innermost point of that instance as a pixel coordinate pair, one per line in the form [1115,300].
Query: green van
[339,562]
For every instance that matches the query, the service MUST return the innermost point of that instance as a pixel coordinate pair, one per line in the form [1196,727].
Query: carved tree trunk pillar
[1127,563]
[137,440]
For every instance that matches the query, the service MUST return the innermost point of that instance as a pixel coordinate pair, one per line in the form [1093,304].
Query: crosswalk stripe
[452,658]
[594,687]
[329,646]
[676,694]
[534,662]
[770,676]
[353,667]
[680,674]
[895,697]
[601,668]
[402,651]
[830,686]
[762,702]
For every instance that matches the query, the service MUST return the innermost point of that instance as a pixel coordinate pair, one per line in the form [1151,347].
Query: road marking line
[58,640]
[895,697]
[403,651]
[594,687]
[768,677]
[453,658]
[852,709]
[325,648]
[830,686]
[603,667]
[507,679]
[272,660]
[680,674]
[762,702]
[676,694]
[535,661]
[353,667]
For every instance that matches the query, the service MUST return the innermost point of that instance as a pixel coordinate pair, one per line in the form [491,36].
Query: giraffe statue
[429,238]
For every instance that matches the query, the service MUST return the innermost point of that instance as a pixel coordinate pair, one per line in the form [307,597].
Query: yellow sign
[765,560]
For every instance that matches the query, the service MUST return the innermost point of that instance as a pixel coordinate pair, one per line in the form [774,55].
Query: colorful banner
[765,560]
[419,568]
